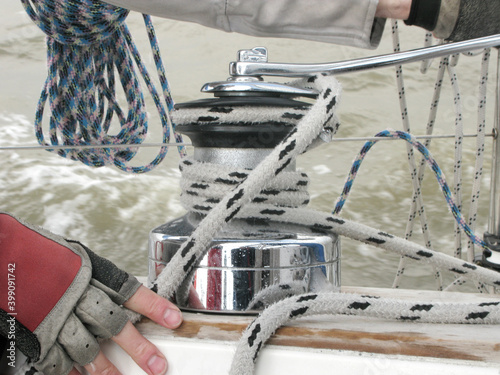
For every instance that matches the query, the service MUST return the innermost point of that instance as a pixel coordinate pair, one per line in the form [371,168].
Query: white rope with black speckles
[350,304]
[248,186]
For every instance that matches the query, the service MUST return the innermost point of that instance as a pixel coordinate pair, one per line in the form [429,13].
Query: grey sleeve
[349,22]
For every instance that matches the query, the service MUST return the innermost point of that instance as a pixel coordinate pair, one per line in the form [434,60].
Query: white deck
[349,345]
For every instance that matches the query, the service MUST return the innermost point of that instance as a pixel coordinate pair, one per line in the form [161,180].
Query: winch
[251,263]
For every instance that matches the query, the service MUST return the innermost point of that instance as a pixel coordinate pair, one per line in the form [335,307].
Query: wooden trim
[450,341]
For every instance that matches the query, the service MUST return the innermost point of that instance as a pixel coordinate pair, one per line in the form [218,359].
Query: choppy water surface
[112,212]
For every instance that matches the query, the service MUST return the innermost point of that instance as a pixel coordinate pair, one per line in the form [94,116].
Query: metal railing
[255,64]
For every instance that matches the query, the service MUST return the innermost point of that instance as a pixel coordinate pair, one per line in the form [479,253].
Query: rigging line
[441,136]
[150,145]
[73,147]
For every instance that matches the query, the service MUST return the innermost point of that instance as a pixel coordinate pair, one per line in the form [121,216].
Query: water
[112,212]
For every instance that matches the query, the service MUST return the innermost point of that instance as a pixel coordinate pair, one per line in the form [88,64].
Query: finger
[143,352]
[157,308]
[101,365]
[74,371]
[101,316]
[56,361]
[77,341]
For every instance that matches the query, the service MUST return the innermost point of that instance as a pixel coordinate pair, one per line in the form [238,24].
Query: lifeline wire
[87,41]
[146,145]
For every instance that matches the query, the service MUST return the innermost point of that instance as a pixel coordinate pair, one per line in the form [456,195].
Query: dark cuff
[476,19]
[424,13]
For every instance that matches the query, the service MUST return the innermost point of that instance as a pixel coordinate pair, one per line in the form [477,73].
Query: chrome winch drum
[245,269]
[245,275]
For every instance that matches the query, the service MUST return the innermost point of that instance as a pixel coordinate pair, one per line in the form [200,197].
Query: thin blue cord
[432,164]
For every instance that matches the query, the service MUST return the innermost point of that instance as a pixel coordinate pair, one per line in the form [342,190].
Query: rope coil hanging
[87,43]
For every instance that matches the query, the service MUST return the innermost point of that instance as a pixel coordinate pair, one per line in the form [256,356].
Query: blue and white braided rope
[431,163]
[86,42]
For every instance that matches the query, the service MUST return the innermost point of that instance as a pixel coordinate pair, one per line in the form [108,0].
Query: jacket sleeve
[349,22]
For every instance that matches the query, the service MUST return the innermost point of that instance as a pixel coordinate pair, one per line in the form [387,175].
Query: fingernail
[172,318]
[157,365]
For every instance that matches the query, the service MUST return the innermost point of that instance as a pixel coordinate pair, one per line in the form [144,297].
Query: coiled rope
[89,49]
[311,125]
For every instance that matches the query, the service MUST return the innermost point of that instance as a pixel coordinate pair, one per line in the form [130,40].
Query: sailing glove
[456,20]
[58,297]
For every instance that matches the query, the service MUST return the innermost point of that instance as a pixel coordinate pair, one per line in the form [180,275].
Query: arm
[357,23]
[396,9]
[350,22]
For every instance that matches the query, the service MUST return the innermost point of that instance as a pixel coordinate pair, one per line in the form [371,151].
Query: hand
[143,352]
[63,296]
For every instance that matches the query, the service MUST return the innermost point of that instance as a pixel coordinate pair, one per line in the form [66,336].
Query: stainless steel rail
[249,67]
[86,147]
[494,219]
[149,145]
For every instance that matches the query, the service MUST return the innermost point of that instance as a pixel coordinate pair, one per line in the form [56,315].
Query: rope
[334,303]
[203,185]
[222,192]
[421,169]
[243,186]
[457,169]
[87,42]
[446,64]
[450,200]
[278,314]
[480,142]
[417,205]
[269,211]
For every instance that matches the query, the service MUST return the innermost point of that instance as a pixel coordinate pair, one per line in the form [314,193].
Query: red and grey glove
[57,296]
